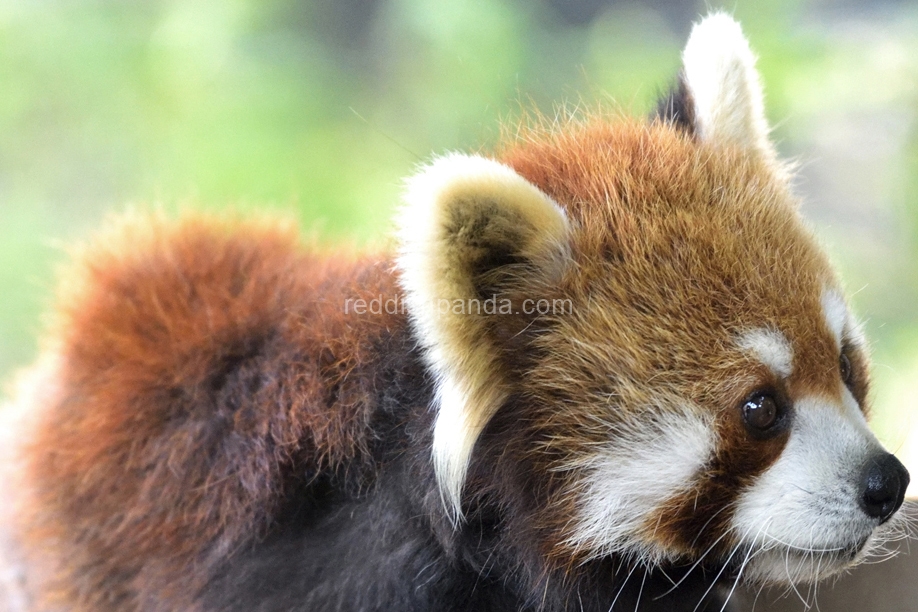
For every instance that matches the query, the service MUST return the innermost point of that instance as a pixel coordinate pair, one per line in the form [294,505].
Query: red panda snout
[806,517]
[822,503]
[883,483]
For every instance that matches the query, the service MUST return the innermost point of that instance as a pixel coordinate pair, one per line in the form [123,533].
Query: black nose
[883,484]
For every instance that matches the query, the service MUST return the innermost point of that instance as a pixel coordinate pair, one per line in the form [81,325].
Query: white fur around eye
[845,329]
[836,314]
[771,347]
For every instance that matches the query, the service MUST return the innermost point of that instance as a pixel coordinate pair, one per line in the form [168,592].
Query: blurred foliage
[318,108]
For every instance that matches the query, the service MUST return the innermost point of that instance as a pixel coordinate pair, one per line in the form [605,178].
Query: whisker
[790,579]
[640,591]
[722,570]
[694,565]
[749,555]
[622,588]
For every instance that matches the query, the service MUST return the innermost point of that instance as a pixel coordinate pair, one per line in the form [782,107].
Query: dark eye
[844,367]
[761,412]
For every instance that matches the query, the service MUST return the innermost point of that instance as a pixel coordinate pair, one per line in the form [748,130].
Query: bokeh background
[317,108]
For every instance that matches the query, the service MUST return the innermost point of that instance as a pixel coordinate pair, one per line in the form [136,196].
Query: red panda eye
[844,366]
[760,412]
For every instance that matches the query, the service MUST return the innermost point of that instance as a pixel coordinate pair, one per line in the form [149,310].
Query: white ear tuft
[719,71]
[464,216]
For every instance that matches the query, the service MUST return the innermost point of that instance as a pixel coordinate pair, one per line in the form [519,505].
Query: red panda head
[685,375]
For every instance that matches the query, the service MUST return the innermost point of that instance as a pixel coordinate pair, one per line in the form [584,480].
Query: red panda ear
[472,229]
[722,88]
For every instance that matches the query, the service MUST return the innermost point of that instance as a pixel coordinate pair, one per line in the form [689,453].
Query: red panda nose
[883,482]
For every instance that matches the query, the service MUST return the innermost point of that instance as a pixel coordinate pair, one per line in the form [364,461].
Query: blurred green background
[318,108]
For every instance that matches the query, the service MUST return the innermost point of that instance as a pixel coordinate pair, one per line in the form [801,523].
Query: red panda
[608,368]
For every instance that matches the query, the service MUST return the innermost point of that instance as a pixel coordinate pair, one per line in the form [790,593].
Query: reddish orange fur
[651,328]
[150,313]
[133,516]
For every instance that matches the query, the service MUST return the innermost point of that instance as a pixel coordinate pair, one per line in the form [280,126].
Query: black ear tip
[677,107]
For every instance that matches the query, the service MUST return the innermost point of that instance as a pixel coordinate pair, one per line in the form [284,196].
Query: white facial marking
[844,327]
[645,464]
[802,517]
[771,347]
[836,314]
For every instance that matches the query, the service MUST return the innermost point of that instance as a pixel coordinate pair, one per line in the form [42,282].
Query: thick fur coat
[607,368]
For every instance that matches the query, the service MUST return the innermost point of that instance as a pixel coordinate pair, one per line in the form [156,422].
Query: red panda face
[689,383]
[705,393]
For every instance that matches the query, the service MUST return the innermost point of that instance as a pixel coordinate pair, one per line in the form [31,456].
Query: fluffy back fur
[608,368]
